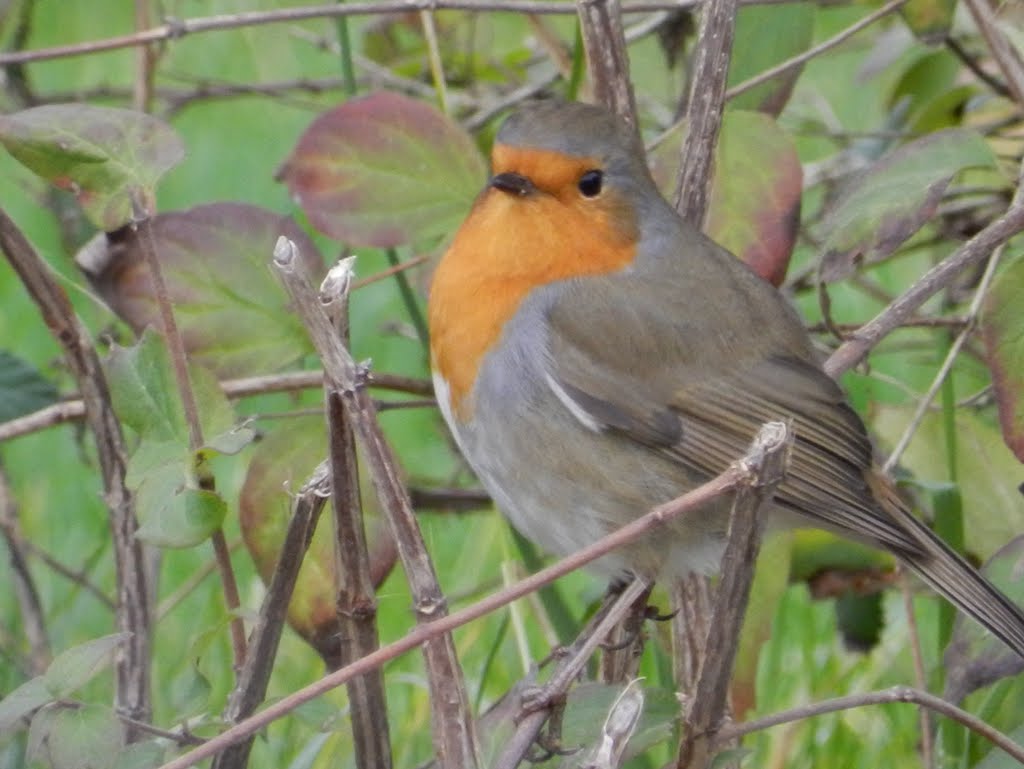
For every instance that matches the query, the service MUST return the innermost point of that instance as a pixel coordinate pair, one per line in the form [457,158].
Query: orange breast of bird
[509,246]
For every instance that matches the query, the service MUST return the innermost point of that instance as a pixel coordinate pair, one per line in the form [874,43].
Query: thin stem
[179,364]
[179,28]
[428,631]
[856,348]
[74,410]
[345,54]
[412,305]
[434,57]
[883,697]
[810,53]
[222,555]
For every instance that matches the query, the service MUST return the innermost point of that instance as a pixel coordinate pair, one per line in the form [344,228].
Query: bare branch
[605,44]
[1003,51]
[254,675]
[179,365]
[704,116]
[817,50]
[454,737]
[860,343]
[735,475]
[178,28]
[32,616]
[357,600]
[767,461]
[132,666]
[74,410]
[567,671]
[883,697]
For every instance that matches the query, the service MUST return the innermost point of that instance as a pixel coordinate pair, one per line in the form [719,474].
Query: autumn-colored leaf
[384,170]
[1002,328]
[280,464]
[890,201]
[229,307]
[754,209]
[105,156]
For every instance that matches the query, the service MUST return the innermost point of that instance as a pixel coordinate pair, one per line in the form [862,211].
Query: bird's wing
[631,371]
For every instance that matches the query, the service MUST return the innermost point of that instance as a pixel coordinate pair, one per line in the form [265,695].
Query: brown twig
[188,585]
[31,608]
[356,598]
[607,58]
[73,410]
[132,665]
[706,103]
[886,696]
[767,461]
[75,576]
[692,599]
[449,500]
[920,676]
[254,675]
[528,727]
[623,646]
[735,475]
[998,87]
[178,28]
[860,343]
[454,738]
[817,50]
[179,365]
[145,61]
[1010,62]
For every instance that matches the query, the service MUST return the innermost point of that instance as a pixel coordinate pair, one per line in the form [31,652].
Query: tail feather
[950,575]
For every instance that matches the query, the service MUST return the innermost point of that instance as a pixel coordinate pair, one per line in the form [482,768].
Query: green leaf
[141,755]
[280,464]
[103,155]
[172,511]
[76,737]
[766,36]
[230,309]
[22,388]
[1002,329]
[384,170]
[144,390]
[890,201]
[75,667]
[815,551]
[926,93]
[146,396]
[30,695]
[988,473]
[174,514]
[754,210]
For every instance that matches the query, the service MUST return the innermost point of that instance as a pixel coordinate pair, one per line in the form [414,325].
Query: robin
[595,355]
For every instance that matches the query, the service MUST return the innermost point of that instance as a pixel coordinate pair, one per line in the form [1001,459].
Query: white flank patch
[575,409]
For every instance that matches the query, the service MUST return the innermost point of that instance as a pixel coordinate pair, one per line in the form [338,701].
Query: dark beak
[517,184]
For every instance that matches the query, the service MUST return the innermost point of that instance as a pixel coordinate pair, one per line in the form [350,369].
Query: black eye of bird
[590,183]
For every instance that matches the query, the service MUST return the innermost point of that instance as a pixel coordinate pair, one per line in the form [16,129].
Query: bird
[595,355]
